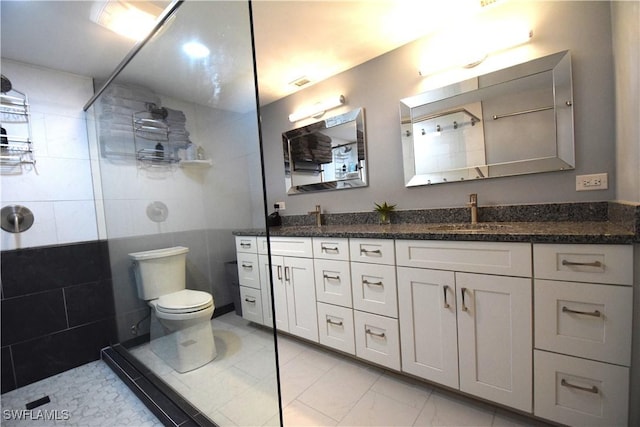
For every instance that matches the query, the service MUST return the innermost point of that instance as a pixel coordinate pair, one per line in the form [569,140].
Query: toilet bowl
[180,330]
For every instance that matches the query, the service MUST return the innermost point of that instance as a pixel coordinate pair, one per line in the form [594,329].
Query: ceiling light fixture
[318,109]
[133,21]
[195,50]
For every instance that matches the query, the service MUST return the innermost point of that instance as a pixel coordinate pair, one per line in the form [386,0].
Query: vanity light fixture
[133,20]
[318,109]
[488,42]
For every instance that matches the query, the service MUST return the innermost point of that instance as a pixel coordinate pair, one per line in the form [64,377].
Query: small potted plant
[384,211]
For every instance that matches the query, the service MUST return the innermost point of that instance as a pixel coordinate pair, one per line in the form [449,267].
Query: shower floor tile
[89,395]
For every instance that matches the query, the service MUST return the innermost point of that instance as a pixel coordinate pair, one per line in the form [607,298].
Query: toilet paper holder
[16,218]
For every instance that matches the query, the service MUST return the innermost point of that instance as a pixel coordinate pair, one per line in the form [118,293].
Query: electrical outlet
[279,205]
[596,181]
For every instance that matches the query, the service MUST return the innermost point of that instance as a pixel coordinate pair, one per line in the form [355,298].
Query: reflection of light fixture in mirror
[195,50]
[461,54]
[131,20]
[318,109]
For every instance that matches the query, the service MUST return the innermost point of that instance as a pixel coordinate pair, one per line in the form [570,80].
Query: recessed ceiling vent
[485,3]
[300,81]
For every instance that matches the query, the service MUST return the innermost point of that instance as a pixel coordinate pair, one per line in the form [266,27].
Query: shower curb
[167,405]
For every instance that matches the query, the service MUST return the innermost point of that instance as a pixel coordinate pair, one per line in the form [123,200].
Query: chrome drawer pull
[586,264]
[462,291]
[375,251]
[592,389]
[247,266]
[327,249]
[366,282]
[326,276]
[594,313]
[370,332]
[331,322]
[245,244]
[445,288]
[250,301]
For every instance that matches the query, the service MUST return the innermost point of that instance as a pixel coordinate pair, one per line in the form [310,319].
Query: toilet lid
[184,300]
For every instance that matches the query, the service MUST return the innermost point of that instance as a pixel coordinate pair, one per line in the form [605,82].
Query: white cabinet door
[248,271]
[266,288]
[279,290]
[301,297]
[374,288]
[333,282]
[428,330]
[495,338]
[377,339]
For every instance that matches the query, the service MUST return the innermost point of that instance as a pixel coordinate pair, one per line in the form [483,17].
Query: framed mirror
[514,121]
[326,155]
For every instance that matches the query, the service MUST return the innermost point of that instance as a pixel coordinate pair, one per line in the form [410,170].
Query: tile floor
[319,387]
[90,395]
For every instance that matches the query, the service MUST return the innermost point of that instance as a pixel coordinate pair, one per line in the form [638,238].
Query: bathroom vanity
[538,321]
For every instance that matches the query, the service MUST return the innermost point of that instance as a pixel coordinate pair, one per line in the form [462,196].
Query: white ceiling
[294,38]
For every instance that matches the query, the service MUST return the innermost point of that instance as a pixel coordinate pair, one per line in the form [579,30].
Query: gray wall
[584,28]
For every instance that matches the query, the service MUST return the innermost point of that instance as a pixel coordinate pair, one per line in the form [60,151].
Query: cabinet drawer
[507,259]
[335,327]
[248,270]
[584,319]
[374,288]
[287,246]
[377,339]
[584,263]
[333,282]
[246,244]
[251,302]
[328,248]
[378,251]
[580,392]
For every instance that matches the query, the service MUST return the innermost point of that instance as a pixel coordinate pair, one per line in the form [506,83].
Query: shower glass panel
[176,158]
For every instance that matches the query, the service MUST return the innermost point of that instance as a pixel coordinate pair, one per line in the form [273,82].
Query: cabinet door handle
[445,288]
[462,292]
[375,334]
[247,266]
[245,245]
[332,322]
[329,249]
[587,264]
[366,282]
[279,272]
[367,252]
[326,276]
[592,389]
[286,274]
[250,301]
[595,313]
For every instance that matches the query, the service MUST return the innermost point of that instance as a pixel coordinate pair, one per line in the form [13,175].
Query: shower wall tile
[8,379]
[31,316]
[57,309]
[90,302]
[75,220]
[41,233]
[51,354]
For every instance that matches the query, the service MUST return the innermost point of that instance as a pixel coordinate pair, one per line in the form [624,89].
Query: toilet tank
[160,271]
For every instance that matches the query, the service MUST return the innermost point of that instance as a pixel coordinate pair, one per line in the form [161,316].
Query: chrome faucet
[473,204]
[318,214]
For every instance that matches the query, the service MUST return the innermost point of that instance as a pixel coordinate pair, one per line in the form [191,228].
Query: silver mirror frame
[356,117]
[479,88]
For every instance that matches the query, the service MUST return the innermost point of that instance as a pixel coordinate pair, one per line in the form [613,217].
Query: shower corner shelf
[16,144]
[196,164]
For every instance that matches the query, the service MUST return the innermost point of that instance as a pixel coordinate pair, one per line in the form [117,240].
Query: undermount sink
[469,227]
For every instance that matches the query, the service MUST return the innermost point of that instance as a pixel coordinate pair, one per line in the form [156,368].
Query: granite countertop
[604,232]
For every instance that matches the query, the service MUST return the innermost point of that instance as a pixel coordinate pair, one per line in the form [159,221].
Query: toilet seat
[183,302]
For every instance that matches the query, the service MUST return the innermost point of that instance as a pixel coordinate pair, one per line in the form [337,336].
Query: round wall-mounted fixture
[16,218]
[157,211]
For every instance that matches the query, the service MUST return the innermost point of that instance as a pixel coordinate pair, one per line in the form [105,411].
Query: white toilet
[181,331]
